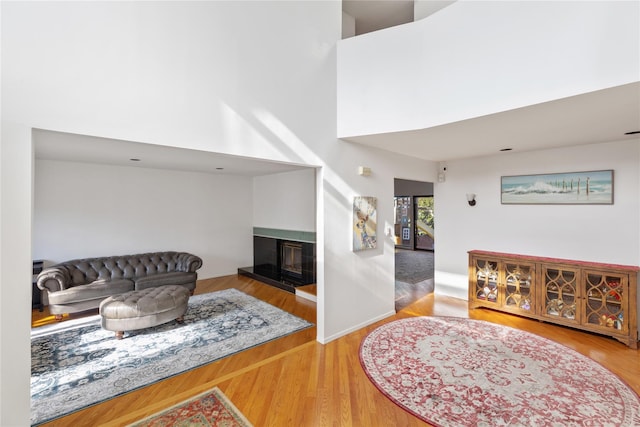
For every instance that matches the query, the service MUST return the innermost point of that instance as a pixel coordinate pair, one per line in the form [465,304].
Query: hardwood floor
[408,293]
[295,381]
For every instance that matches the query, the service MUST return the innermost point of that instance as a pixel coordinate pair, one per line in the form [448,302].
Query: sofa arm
[54,279]
[188,263]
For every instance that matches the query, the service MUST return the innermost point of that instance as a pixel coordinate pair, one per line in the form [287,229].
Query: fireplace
[284,263]
[291,256]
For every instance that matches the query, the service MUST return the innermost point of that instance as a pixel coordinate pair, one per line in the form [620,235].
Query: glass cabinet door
[518,286]
[605,301]
[560,294]
[486,280]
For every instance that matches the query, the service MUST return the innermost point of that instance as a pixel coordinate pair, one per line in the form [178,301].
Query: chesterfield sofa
[82,284]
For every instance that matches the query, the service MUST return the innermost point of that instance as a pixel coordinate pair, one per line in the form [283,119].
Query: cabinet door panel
[518,286]
[486,281]
[560,293]
[605,302]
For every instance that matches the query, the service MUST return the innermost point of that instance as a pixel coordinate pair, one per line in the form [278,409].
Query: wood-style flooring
[295,381]
[408,293]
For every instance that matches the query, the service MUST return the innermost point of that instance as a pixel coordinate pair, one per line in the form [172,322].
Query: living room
[163,200]
[276,101]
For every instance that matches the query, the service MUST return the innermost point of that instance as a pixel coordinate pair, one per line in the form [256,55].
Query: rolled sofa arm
[188,263]
[54,279]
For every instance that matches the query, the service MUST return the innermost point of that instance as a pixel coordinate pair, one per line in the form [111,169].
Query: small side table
[36,293]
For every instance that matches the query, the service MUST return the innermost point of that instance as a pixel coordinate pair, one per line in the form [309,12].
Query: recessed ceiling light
[506,149]
[633,132]
[135,160]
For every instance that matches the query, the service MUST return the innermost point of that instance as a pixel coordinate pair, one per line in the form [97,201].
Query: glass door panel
[605,301]
[486,281]
[518,286]
[560,294]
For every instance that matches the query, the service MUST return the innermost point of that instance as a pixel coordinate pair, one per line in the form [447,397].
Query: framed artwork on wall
[569,188]
[364,223]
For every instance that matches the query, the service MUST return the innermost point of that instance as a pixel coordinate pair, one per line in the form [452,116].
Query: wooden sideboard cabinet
[595,297]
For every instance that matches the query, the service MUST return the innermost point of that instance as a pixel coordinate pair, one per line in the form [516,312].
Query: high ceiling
[596,117]
[601,116]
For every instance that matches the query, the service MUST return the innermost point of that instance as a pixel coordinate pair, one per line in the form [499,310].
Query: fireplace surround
[282,262]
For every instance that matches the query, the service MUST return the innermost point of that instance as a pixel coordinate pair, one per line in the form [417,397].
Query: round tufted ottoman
[144,308]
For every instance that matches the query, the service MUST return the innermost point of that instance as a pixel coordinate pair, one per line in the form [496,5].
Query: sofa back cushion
[83,271]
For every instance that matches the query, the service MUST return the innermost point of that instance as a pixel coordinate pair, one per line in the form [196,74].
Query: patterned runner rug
[79,365]
[462,372]
[209,409]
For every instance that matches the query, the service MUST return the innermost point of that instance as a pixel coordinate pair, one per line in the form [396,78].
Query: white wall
[285,201]
[600,233]
[84,210]
[475,58]
[250,78]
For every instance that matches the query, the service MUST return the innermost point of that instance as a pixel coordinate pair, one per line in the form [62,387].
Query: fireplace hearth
[283,263]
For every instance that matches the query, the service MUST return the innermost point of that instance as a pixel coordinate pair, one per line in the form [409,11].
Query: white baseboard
[306,295]
[356,327]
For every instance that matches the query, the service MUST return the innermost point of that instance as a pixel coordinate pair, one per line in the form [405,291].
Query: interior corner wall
[599,233]
[285,201]
[348,26]
[84,210]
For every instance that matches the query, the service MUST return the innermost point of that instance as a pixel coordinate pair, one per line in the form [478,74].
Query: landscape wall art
[577,188]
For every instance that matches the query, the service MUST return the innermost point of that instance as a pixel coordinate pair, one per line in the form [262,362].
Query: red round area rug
[463,372]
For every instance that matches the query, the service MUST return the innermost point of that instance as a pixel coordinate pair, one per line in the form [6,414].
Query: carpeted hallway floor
[414,276]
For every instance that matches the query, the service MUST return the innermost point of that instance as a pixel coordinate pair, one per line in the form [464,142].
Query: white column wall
[475,58]
[15,273]
[600,233]
[367,276]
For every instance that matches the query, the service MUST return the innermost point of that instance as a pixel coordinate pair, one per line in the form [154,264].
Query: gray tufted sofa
[81,284]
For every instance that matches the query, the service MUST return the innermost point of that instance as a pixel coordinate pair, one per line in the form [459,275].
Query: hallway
[414,273]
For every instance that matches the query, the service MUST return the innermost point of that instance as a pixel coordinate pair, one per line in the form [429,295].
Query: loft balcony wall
[475,58]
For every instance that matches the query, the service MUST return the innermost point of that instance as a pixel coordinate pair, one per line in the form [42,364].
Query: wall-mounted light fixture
[471,198]
[364,171]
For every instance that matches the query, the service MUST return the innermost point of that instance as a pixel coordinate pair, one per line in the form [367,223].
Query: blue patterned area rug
[78,364]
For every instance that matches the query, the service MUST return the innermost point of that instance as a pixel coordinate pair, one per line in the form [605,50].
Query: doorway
[414,241]
[423,229]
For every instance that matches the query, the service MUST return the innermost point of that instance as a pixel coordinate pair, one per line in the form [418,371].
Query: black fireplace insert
[286,264]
